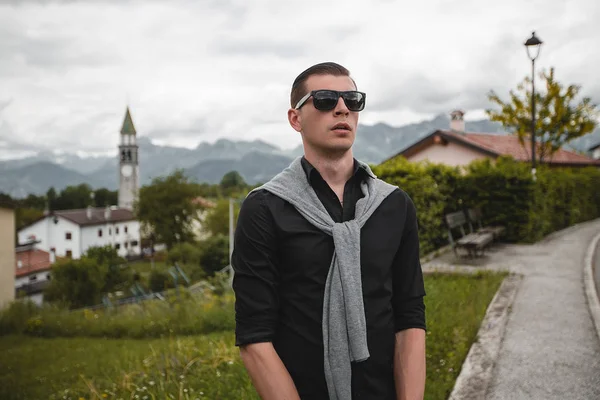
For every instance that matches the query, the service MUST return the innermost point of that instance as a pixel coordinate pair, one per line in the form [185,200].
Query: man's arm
[256,285]
[269,376]
[409,311]
[409,364]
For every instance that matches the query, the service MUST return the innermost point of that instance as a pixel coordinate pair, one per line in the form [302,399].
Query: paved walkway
[550,348]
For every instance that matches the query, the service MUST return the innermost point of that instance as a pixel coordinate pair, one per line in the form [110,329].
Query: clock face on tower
[126,170]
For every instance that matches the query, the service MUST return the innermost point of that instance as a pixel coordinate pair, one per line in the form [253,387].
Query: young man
[329,288]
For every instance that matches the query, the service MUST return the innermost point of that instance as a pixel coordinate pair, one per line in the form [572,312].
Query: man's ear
[295,119]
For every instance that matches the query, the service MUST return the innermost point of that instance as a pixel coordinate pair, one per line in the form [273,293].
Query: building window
[117,230]
[109,231]
[19,264]
[48,276]
[69,253]
[117,246]
[53,249]
[99,232]
[125,229]
[126,244]
[33,278]
[68,235]
[134,243]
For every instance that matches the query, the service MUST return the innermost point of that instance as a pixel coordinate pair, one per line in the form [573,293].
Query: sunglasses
[326,100]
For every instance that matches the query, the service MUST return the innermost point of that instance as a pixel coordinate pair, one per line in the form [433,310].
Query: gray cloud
[189,128]
[257,47]
[48,52]
[196,69]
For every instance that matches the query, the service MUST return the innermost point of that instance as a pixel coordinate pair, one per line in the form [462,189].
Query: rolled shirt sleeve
[256,277]
[408,287]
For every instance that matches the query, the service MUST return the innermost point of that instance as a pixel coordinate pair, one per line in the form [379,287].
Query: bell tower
[128,164]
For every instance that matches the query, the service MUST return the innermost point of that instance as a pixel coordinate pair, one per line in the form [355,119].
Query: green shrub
[504,190]
[431,188]
[78,283]
[215,254]
[13,319]
[181,313]
[184,253]
[160,281]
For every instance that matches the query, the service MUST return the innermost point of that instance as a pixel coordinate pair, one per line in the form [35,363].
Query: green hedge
[505,191]
[430,188]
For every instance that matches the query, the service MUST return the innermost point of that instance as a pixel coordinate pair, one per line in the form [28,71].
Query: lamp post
[533,46]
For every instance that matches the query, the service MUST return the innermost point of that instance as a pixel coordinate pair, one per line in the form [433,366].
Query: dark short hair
[326,68]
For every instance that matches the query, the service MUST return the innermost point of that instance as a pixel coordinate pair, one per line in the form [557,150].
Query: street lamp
[533,46]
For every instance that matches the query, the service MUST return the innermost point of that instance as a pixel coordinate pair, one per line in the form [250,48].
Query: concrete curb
[476,372]
[436,253]
[590,286]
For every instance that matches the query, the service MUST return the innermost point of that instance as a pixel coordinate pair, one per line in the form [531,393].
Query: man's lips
[341,126]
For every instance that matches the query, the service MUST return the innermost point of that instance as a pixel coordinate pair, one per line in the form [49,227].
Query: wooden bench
[474,243]
[475,217]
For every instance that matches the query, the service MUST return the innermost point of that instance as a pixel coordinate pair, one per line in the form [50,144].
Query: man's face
[331,131]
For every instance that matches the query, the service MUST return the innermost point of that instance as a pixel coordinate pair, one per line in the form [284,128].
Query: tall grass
[208,366]
[181,314]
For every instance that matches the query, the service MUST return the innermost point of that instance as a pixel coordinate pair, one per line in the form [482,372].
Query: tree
[215,254]
[559,117]
[232,179]
[26,216]
[33,201]
[108,257]
[166,208]
[104,197]
[217,219]
[51,199]
[73,197]
[77,283]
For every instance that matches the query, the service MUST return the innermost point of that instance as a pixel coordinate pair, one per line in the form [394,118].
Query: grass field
[208,366]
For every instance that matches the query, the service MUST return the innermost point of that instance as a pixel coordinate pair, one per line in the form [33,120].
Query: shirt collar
[310,170]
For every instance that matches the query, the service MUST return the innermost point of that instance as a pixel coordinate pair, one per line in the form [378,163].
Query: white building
[595,150]
[70,233]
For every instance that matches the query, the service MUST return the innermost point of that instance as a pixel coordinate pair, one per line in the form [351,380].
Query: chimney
[88,212]
[107,213]
[457,122]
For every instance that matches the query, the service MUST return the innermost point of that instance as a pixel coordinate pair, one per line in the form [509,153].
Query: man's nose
[341,108]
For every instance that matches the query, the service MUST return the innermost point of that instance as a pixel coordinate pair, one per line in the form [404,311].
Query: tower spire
[128,128]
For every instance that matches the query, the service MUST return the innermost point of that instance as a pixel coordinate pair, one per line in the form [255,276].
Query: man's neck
[335,170]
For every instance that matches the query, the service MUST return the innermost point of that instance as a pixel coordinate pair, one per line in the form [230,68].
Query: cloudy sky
[195,71]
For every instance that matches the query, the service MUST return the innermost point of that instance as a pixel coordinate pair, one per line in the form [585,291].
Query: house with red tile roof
[455,147]
[32,271]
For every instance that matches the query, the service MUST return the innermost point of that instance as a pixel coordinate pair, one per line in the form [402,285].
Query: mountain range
[257,161]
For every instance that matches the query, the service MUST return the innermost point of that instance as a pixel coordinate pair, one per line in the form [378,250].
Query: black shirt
[281,263]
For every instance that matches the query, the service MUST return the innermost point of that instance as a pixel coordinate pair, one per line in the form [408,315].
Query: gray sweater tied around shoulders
[344,325]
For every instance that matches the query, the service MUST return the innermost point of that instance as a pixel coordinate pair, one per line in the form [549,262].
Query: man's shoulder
[261,199]
[397,195]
